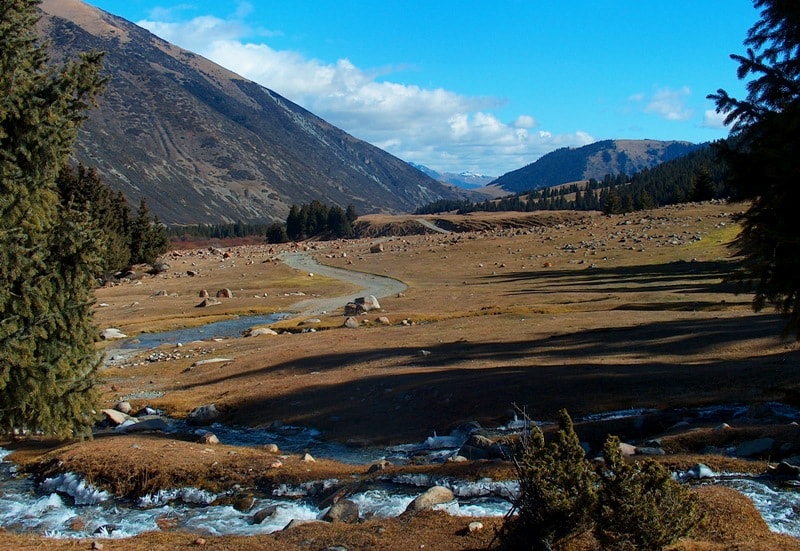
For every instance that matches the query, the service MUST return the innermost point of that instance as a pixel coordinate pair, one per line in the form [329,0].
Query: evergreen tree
[762,154]
[82,189]
[351,214]
[558,490]
[147,236]
[48,252]
[276,233]
[294,223]
[640,506]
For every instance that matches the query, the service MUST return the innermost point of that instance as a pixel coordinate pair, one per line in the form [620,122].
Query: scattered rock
[258,331]
[243,504]
[203,415]
[344,510]
[627,449]
[378,466]
[368,303]
[351,323]
[428,500]
[116,417]
[475,526]
[112,333]
[761,447]
[147,425]
[295,522]
[353,309]
[208,438]
[263,514]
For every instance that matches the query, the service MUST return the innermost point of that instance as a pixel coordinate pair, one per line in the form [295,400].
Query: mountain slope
[204,145]
[592,161]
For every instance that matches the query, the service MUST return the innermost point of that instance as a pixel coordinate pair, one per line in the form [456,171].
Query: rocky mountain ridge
[204,145]
[591,161]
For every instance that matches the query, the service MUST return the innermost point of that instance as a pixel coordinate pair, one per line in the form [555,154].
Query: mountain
[592,161]
[204,145]
[463,180]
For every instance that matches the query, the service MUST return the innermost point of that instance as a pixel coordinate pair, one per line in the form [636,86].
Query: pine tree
[148,237]
[82,189]
[762,153]
[557,491]
[48,254]
[640,506]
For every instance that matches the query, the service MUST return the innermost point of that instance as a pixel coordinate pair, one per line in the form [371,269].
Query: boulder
[368,303]
[209,301]
[432,497]
[208,438]
[123,406]
[225,293]
[383,320]
[203,415]
[258,331]
[112,333]
[351,323]
[263,514]
[116,417]
[353,309]
[376,248]
[203,293]
[147,425]
[343,510]
[760,447]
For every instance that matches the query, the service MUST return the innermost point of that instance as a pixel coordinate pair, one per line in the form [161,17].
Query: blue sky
[485,86]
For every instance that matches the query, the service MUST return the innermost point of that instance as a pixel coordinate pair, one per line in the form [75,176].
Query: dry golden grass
[545,311]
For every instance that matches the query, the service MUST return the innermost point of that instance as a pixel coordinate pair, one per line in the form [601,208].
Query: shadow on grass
[683,277]
[658,365]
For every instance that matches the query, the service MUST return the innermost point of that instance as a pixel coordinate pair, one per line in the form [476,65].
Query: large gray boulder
[368,303]
[434,496]
[343,510]
[203,415]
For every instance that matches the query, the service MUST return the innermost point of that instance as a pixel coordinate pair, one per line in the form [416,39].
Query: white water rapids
[66,507]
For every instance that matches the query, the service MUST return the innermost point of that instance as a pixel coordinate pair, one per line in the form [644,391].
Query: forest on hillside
[698,176]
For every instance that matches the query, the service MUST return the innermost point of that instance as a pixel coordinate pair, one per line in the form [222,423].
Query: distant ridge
[592,161]
[204,145]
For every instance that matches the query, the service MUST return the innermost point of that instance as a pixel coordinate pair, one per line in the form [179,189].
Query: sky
[484,86]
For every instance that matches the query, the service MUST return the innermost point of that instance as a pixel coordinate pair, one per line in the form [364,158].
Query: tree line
[125,239]
[698,176]
[314,219]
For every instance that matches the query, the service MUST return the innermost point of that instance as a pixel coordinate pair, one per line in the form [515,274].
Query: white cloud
[439,128]
[669,104]
[712,119]
[524,121]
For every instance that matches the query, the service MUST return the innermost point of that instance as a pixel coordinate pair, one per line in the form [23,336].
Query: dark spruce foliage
[763,153]
[49,251]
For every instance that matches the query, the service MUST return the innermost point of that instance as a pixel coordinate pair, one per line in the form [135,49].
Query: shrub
[628,507]
[640,506]
[558,490]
